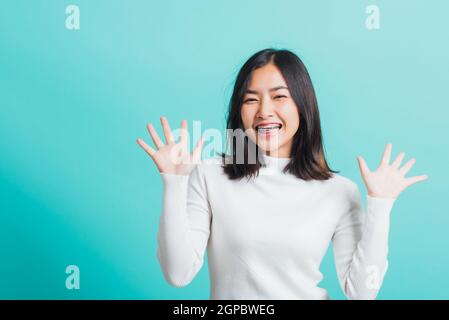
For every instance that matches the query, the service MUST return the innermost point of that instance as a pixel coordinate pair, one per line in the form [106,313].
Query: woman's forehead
[266,78]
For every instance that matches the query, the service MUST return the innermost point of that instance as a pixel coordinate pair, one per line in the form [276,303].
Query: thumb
[362,165]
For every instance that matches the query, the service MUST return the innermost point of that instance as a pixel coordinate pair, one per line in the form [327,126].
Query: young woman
[266,235]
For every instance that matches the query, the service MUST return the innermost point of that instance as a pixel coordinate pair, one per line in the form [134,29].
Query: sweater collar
[275,162]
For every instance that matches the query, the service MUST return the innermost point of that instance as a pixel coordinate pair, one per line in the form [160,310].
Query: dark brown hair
[307,156]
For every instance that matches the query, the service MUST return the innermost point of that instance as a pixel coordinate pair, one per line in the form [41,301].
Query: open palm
[172,157]
[388,180]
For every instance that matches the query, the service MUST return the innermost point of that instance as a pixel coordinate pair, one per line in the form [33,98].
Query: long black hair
[307,155]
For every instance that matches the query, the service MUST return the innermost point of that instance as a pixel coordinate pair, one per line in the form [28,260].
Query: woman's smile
[268,131]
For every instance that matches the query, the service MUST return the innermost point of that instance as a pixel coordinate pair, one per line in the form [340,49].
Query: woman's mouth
[267,131]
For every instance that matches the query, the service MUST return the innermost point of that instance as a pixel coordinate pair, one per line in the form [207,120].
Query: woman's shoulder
[343,183]
[212,165]
[341,189]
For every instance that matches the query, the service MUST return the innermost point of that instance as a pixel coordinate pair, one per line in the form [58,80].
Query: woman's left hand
[388,181]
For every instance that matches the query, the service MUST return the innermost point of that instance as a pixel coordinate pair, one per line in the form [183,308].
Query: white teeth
[268,128]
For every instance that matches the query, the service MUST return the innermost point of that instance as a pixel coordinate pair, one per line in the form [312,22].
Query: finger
[153,133]
[183,134]
[363,166]
[146,147]
[397,162]
[387,154]
[196,154]
[167,131]
[407,166]
[413,180]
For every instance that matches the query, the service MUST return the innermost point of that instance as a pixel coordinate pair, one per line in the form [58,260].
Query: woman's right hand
[173,158]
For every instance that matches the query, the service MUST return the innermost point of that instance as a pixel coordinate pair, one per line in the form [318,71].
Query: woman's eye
[249,100]
[280,97]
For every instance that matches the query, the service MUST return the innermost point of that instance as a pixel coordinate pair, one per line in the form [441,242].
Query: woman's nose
[266,108]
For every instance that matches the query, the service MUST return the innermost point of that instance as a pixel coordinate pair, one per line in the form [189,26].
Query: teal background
[75,187]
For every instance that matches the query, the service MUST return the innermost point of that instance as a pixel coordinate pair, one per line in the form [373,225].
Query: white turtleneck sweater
[266,238]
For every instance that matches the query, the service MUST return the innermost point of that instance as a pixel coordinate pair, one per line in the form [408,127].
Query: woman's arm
[185,218]
[361,240]
[360,244]
[184,227]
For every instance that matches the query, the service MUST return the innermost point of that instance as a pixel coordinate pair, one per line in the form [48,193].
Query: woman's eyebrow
[271,89]
[278,87]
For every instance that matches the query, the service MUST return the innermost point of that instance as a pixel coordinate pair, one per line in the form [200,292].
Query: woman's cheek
[291,114]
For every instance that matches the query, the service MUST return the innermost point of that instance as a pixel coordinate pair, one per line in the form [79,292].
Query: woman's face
[268,104]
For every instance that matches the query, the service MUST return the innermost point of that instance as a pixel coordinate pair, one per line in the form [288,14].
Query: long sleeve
[360,245]
[184,226]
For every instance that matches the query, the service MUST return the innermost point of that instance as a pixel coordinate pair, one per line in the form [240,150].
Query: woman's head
[273,90]
[270,116]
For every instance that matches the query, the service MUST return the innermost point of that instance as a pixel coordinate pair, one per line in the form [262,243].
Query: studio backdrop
[80,80]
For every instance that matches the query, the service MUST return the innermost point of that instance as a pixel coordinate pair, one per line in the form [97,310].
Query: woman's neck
[276,163]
